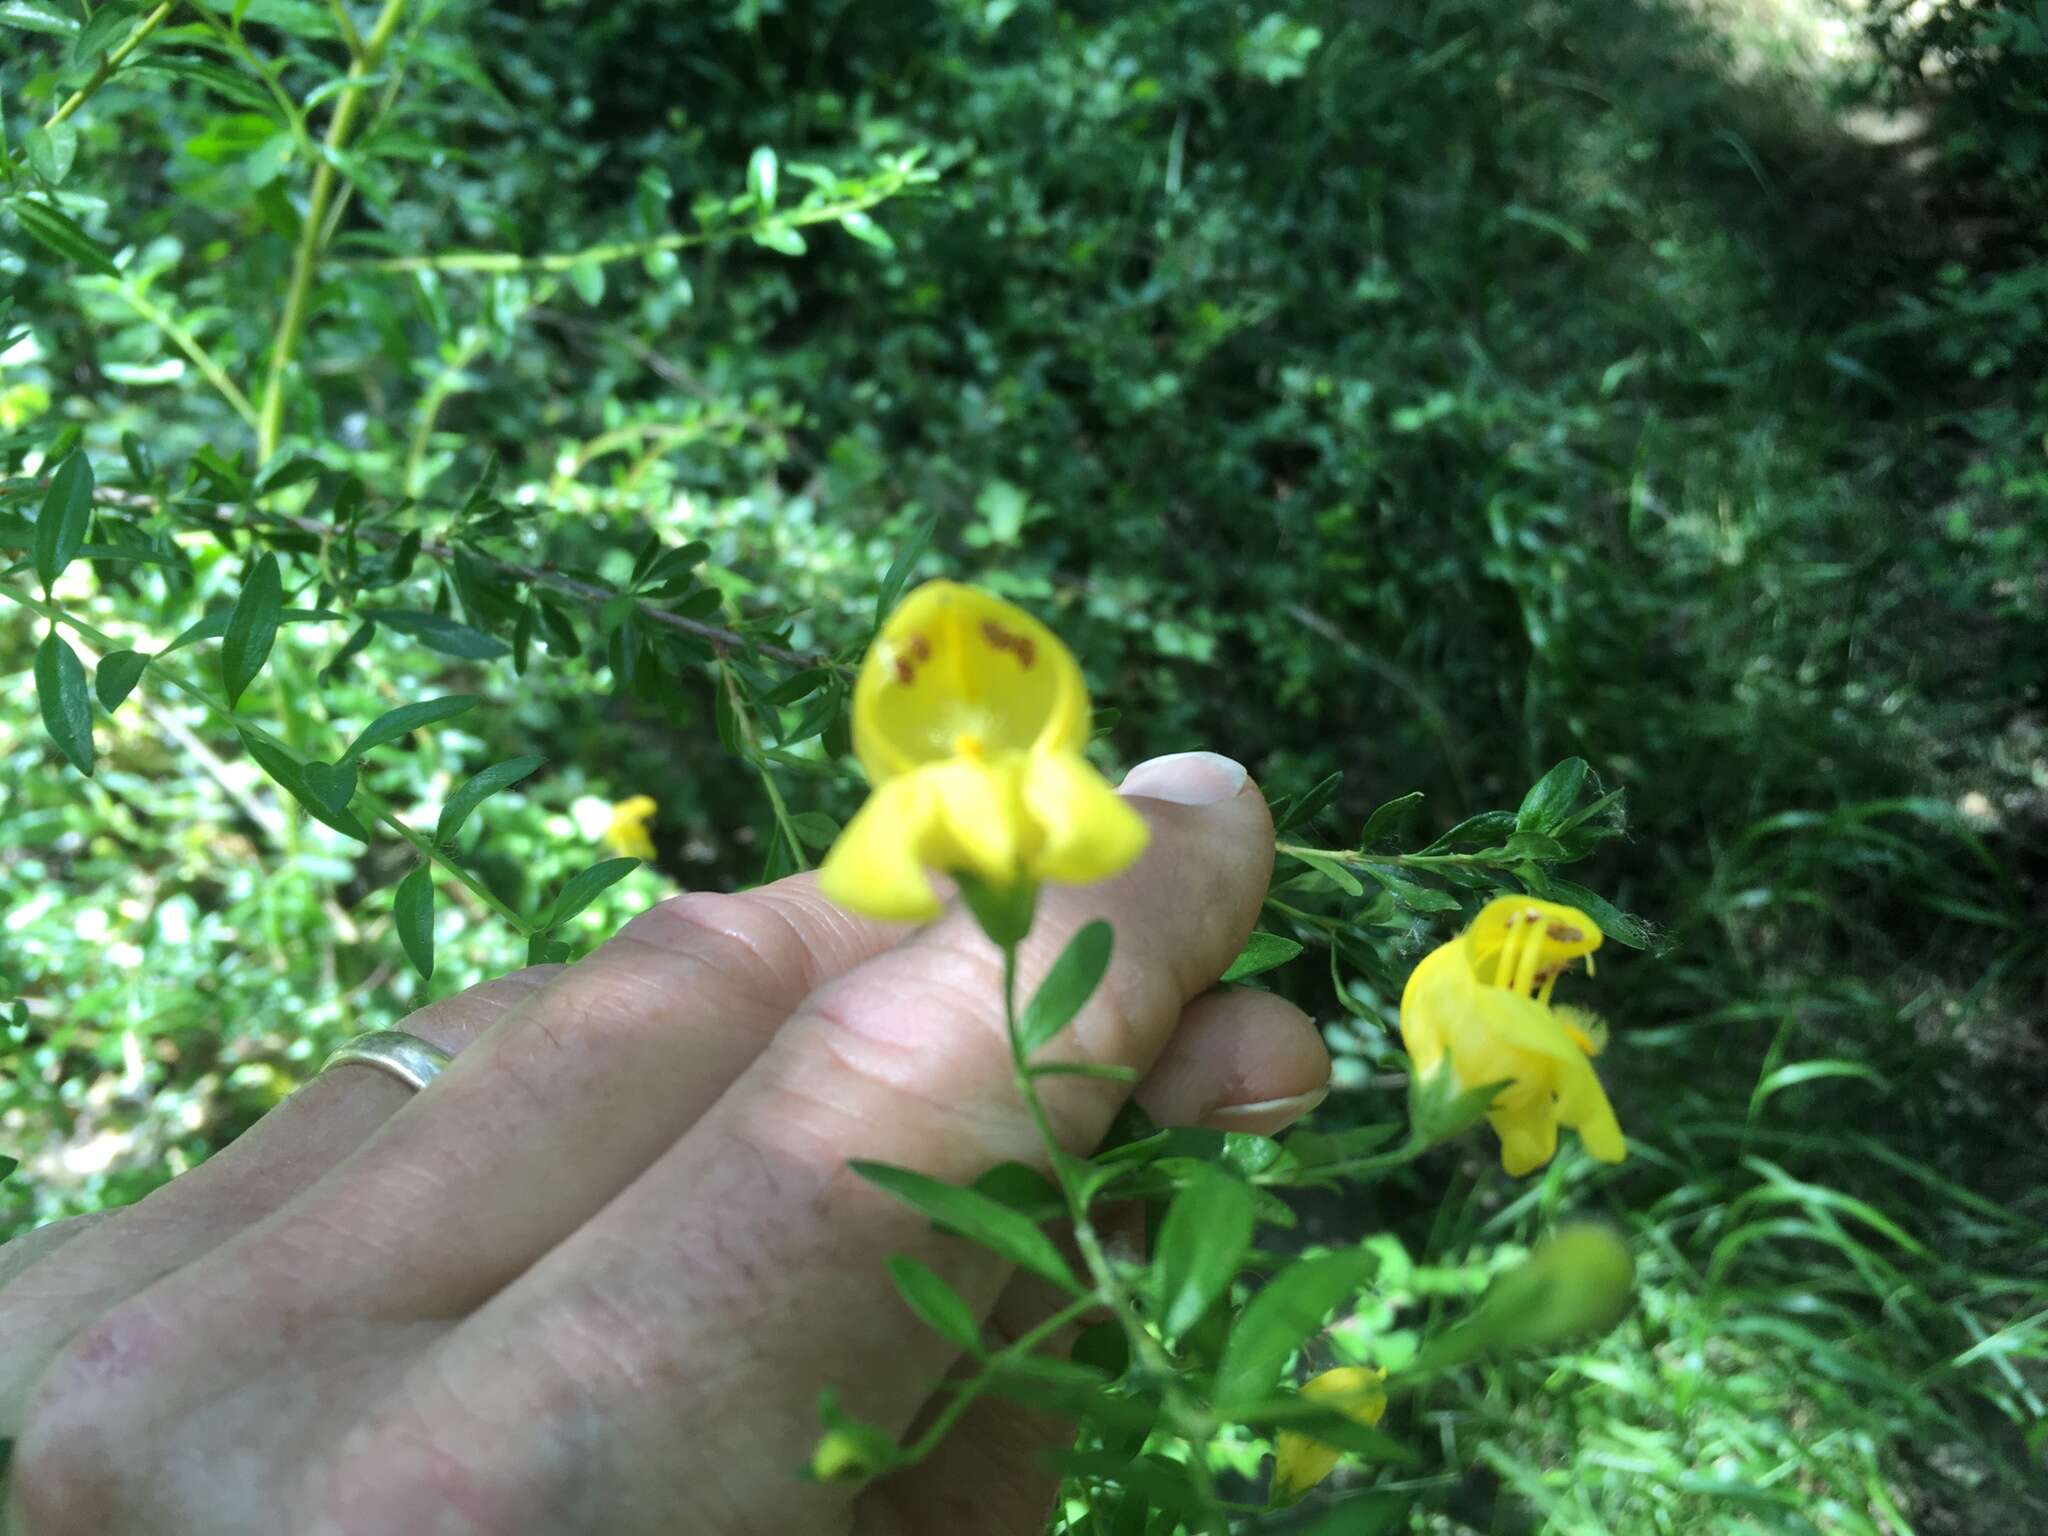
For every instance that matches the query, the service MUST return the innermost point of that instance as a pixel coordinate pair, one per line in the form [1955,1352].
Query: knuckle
[748,937]
[71,1469]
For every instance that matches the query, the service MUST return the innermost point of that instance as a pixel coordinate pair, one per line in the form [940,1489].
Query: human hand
[593,1278]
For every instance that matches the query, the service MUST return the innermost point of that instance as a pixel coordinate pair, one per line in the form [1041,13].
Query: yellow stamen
[967,744]
[1549,986]
[1504,962]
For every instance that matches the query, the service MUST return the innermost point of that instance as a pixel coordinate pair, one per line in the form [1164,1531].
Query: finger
[44,1303]
[748,1264]
[552,1113]
[1240,1061]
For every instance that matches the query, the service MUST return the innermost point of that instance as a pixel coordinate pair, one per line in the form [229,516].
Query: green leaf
[67,706]
[1313,1149]
[331,785]
[587,278]
[900,568]
[291,777]
[252,628]
[8,1165]
[45,16]
[1261,952]
[935,1302]
[1387,817]
[51,151]
[1292,1306]
[439,632]
[1615,923]
[761,176]
[58,232]
[413,911]
[1551,797]
[61,525]
[780,237]
[974,1216]
[1310,805]
[1480,831]
[861,227]
[814,829]
[215,624]
[1069,984]
[110,22]
[119,672]
[1202,1244]
[407,718]
[584,887]
[1101,1071]
[1344,880]
[479,789]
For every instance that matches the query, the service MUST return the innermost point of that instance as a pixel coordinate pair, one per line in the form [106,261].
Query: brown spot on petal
[1564,933]
[1001,639]
[906,674]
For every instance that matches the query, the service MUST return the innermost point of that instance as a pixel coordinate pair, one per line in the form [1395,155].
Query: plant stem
[1398,860]
[113,61]
[380,808]
[1189,1419]
[626,250]
[965,1394]
[313,233]
[193,349]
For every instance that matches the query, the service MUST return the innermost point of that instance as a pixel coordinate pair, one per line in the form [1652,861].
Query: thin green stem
[966,1392]
[1398,860]
[1189,1419]
[625,250]
[346,24]
[380,808]
[313,234]
[113,61]
[194,350]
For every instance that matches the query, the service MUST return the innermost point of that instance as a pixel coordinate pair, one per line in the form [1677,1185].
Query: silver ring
[413,1061]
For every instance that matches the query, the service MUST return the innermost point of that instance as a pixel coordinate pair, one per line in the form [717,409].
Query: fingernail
[1186,778]
[1266,1114]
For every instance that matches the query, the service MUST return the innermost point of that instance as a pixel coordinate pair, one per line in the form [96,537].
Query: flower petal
[980,817]
[1089,831]
[878,865]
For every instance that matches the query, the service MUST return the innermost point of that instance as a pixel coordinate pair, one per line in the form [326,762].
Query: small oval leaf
[936,1302]
[479,789]
[398,722]
[1067,986]
[67,705]
[1202,1242]
[116,677]
[413,911]
[252,628]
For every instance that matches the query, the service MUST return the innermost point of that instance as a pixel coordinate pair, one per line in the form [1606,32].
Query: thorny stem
[378,806]
[1189,1419]
[113,61]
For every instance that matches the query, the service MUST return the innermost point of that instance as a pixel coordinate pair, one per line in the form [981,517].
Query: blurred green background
[1426,391]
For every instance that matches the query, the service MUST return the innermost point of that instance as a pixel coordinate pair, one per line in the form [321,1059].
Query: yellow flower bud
[1299,1463]
[970,717]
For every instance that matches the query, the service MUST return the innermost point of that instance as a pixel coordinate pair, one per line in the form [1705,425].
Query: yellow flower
[969,717]
[627,834]
[1299,1463]
[1483,1000]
